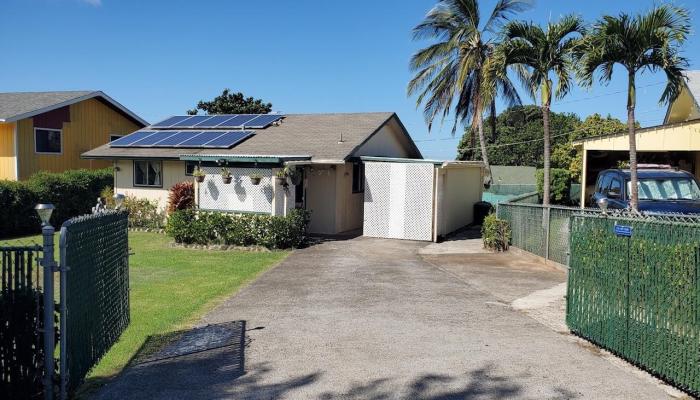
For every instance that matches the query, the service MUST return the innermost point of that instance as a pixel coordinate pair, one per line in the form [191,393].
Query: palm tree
[449,74]
[649,42]
[538,55]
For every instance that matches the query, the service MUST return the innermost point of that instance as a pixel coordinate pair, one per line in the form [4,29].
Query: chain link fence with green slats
[95,251]
[639,295]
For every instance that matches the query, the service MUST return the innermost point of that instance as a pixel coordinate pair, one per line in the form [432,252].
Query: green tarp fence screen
[639,295]
[97,289]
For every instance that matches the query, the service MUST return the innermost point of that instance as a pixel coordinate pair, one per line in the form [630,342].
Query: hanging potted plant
[281,177]
[255,178]
[198,174]
[226,175]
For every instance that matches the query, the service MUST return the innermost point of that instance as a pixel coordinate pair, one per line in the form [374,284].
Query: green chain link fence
[639,296]
[95,251]
[540,230]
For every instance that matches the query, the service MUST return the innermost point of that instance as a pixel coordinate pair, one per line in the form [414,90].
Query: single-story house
[323,151]
[676,142]
[48,131]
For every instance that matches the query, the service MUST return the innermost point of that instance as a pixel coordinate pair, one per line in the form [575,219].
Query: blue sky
[160,57]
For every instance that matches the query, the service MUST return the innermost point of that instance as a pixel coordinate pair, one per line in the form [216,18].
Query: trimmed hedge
[273,232]
[72,192]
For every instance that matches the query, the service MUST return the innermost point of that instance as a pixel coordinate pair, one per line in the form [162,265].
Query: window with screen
[358,177]
[148,173]
[47,141]
[189,167]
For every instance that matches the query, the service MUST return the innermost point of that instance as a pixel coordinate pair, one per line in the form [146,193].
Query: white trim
[16,146]
[73,101]
[60,131]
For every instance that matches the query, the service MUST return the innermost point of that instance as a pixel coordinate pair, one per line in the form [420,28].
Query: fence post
[63,273]
[48,262]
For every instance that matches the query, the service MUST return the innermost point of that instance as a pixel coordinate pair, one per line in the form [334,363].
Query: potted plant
[198,174]
[226,175]
[281,177]
[255,178]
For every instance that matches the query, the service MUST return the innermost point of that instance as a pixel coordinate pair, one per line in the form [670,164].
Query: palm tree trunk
[492,118]
[484,153]
[546,99]
[631,102]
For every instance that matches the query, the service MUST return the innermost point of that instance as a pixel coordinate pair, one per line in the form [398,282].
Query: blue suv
[660,190]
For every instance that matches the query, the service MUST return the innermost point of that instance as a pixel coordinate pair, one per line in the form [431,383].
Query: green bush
[560,184]
[495,233]
[273,232]
[143,213]
[73,193]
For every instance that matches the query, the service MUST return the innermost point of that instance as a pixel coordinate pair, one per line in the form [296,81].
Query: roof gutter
[267,159]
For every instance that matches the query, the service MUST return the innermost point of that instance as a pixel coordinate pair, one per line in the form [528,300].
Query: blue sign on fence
[623,230]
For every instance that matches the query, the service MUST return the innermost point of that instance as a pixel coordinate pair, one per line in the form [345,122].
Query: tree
[232,103]
[642,42]
[537,55]
[449,74]
[519,135]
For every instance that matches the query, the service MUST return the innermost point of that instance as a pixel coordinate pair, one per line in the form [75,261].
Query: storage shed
[419,199]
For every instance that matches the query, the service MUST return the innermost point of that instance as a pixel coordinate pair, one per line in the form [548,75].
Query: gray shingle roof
[20,105]
[315,135]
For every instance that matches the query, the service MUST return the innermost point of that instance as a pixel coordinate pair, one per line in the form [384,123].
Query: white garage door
[398,200]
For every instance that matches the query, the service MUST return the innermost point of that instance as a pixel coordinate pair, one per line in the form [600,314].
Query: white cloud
[95,3]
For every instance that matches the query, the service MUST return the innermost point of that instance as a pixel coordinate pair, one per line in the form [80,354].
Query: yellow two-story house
[47,131]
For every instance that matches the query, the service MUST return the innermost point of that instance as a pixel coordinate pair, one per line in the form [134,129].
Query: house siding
[91,124]
[8,161]
[173,172]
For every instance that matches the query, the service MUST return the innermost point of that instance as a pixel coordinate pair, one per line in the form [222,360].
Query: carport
[419,199]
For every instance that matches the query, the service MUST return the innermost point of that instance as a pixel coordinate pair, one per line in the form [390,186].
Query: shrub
[560,184]
[273,232]
[143,213]
[181,197]
[495,233]
[73,193]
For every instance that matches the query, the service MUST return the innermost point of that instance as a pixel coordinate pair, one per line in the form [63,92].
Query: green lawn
[171,288]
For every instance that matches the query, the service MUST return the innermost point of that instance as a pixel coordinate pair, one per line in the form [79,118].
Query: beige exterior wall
[681,137]
[173,172]
[321,198]
[458,189]
[349,205]
[389,141]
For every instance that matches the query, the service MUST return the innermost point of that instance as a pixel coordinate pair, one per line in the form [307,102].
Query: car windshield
[667,189]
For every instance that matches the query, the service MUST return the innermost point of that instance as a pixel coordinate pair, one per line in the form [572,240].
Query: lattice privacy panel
[398,200]
[240,195]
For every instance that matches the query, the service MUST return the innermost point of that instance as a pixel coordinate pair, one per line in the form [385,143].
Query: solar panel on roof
[229,139]
[172,120]
[201,139]
[213,121]
[152,139]
[191,121]
[131,138]
[237,121]
[262,121]
[177,138]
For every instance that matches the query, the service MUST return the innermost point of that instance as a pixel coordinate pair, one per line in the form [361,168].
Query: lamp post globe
[44,211]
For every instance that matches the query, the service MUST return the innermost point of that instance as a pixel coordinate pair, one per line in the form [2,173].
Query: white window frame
[36,150]
[133,178]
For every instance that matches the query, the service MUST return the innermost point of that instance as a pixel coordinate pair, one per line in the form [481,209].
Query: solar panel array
[228,121]
[209,139]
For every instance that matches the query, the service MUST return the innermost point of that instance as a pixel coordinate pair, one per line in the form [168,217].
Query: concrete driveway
[374,319]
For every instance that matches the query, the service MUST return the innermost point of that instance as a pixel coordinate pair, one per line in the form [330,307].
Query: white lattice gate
[399,200]
[240,195]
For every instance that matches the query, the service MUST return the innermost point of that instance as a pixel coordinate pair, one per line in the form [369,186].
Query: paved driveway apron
[371,319]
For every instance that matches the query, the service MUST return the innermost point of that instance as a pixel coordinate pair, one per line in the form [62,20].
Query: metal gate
[399,200]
